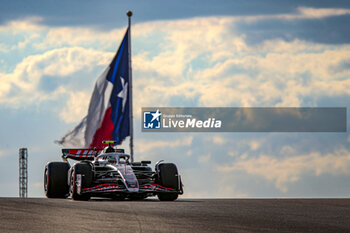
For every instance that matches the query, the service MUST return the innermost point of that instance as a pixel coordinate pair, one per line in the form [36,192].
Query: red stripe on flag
[105,131]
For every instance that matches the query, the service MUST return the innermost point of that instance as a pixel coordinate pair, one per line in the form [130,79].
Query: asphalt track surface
[183,215]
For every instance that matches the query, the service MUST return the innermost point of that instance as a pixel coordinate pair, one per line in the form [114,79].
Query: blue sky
[185,54]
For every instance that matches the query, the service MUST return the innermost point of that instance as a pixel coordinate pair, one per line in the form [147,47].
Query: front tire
[55,180]
[168,177]
[85,171]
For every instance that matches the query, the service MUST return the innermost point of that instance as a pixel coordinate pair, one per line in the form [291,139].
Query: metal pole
[23,172]
[129,14]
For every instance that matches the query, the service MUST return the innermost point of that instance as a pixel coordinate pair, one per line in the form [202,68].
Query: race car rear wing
[80,154]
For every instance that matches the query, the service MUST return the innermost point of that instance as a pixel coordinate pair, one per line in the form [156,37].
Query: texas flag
[108,116]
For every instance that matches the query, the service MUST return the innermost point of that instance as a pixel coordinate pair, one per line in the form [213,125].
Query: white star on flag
[123,92]
[156,115]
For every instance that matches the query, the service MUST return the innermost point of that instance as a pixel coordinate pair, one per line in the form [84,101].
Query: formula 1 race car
[108,172]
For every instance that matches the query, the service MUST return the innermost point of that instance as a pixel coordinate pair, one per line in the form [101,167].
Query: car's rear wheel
[168,177]
[56,180]
[85,171]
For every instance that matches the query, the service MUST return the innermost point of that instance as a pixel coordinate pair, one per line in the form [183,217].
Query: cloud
[272,73]
[6,153]
[48,76]
[314,13]
[252,144]
[190,62]
[284,171]
[76,107]
[79,36]
[27,24]
[282,78]
[4,48]
[219,140]
[149,145]
[301,13]
[204,158]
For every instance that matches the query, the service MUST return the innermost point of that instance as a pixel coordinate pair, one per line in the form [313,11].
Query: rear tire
[168,177]
[55,180]
[85,171]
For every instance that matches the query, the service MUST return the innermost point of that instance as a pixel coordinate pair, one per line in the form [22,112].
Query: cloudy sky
[185,54]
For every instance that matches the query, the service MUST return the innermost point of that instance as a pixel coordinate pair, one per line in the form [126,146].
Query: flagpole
[129,14]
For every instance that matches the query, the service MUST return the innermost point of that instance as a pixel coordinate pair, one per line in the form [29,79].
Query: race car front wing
[115,188]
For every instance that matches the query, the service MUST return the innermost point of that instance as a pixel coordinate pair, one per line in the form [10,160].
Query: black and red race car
[108,172]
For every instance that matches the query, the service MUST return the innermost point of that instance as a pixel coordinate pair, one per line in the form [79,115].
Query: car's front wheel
[85,172]
[168,177]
